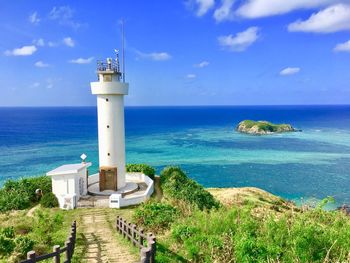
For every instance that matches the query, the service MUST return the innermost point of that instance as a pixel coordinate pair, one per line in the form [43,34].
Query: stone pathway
[102,244]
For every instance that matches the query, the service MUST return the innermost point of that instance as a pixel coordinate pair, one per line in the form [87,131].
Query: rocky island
[263,127]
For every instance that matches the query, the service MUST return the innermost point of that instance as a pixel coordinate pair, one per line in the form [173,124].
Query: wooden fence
[146,242]
[68,250]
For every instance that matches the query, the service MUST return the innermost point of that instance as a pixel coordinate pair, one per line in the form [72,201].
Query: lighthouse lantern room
[110,93]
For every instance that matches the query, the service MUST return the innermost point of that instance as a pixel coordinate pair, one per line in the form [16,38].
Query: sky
[192,52]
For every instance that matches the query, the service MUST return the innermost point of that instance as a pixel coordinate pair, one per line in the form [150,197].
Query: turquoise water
[314,163]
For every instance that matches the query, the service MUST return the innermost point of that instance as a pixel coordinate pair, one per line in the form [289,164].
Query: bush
[49,200]
[177,185]
[155,216]
[17,195]
[23,245]
[7,245]
[183,232]
[13,200]
[141,168]
[45,225]
[8,232]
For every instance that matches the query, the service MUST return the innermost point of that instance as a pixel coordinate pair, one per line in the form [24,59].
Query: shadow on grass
[164,254]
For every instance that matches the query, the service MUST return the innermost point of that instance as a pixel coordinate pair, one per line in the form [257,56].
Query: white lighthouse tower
[110,93]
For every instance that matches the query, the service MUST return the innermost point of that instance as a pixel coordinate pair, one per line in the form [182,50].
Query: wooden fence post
[57,258]
[129,231]
[141,236]
[153,248]
[121,225]
[133,231]
[31,255]
[124,228]
[68,245]
[145,255]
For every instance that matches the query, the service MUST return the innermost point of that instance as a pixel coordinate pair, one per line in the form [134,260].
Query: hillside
[192,224]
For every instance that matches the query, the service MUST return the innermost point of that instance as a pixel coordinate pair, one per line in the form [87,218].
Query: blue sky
[196,52]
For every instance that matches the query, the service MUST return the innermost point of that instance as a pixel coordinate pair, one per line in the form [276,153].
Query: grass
[250,226]
[32,227]
[193,224]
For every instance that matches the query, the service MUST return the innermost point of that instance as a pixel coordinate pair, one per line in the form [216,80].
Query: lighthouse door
[108,178]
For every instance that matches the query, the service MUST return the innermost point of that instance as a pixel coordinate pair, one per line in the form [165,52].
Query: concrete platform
[129,188]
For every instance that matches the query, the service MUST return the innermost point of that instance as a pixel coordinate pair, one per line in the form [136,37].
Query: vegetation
[257,228]
[263,127]
[141,168]
[247,225]
[20,233]
[17,195]
[155,216]
[177,186]
[49,200]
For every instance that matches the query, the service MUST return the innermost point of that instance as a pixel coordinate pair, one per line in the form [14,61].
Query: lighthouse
[110,91]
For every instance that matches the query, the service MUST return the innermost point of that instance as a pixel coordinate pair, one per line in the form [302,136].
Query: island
[263,127]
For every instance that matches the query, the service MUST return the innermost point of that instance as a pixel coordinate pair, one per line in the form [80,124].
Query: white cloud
[203,64]
[204,6]
[289,71]
[23,51]
[191,76]
[68,41]
[224,11]
[343,47]
[156,56]
[41,64]
[52,44]
[263,8]
[332,19]
[241,41]
[82,60]
[35,85]
[39,42]
[34,19]
[64,16]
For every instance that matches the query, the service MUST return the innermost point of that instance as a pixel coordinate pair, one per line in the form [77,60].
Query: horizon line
[201,105]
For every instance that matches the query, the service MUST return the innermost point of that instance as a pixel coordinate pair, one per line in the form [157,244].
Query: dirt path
[102,244]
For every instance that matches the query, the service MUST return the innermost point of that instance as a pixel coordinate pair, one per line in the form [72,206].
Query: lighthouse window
[108,154]
[107,126]
[106,99]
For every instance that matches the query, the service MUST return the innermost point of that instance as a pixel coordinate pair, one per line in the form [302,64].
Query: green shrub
[141,168]
[45,225]
[7,245]
[23,245]
[155,216]
[8,232]
[20,194]
[183,232]
[13,200]
[49,200]
[177,185]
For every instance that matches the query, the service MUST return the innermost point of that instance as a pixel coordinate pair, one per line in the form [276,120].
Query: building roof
[68,169]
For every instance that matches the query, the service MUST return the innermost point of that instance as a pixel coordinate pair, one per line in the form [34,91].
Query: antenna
[123,47]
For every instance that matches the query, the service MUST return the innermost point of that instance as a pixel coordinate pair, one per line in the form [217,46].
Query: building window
[106,99]
[108,154]
[107,126]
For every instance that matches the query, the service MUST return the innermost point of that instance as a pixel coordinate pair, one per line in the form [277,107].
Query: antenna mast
[123,53]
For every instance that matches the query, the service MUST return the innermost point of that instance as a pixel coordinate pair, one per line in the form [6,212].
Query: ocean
[307,165]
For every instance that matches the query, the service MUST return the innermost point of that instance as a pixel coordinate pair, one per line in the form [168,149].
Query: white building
[69,183]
